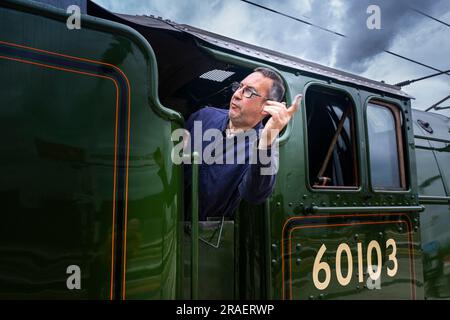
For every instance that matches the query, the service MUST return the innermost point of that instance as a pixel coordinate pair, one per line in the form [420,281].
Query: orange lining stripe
[332,216]
[115,133]
[128,147]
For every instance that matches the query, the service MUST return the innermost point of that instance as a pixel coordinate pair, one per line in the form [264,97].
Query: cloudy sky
[403,31]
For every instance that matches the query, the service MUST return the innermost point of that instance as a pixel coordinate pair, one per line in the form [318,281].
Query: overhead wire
[428,16]
[342,35]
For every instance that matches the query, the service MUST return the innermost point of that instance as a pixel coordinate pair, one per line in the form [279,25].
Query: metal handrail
[194,226]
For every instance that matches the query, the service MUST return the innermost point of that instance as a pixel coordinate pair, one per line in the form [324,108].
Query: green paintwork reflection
[57,166]
[433,178]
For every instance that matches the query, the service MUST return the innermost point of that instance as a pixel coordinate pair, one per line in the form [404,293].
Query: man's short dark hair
[277,91]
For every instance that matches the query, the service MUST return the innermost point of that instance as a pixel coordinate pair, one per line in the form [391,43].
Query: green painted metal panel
[87,182]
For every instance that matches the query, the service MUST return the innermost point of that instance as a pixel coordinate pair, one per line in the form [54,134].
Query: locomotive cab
[93,203]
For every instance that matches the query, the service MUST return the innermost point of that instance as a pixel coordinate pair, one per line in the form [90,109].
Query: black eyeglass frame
[248,92]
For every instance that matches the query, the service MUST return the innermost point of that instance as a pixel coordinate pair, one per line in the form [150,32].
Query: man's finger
[294,107]
[275,103]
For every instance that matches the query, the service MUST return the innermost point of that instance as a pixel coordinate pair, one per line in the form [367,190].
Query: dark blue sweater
[222,186]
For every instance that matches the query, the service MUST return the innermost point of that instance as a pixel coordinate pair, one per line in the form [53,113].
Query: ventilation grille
[216,75]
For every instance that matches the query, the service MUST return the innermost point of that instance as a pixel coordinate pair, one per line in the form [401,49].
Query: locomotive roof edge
[246,49]
[264,54]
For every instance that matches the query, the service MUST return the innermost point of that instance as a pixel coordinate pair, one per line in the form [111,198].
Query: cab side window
[332,159]
[387,168]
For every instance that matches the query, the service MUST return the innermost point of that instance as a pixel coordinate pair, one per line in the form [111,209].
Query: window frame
[346,91]
[398,115]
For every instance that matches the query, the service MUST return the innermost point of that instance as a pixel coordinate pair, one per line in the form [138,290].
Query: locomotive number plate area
[349,257]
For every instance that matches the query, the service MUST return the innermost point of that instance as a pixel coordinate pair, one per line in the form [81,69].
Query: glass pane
[383,149]
[331,154]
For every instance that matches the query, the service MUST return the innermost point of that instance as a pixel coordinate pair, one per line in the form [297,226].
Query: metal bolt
[274,262]
[298,246]
[290,204]
[298,261]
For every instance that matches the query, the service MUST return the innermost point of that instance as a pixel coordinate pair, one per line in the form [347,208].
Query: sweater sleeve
[259,179]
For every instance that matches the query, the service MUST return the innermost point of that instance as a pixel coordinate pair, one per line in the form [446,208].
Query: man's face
[246,112]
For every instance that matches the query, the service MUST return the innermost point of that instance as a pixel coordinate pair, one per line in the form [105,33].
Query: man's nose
[238,94]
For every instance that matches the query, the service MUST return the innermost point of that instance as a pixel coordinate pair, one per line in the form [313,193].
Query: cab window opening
[386,147]
[331,139]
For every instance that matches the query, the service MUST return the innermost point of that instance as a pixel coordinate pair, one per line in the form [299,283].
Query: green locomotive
[92,205]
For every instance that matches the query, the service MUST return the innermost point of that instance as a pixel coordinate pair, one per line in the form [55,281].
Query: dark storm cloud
[363,44]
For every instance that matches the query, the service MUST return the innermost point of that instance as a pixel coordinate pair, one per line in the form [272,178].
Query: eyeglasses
[247,91]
